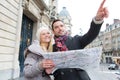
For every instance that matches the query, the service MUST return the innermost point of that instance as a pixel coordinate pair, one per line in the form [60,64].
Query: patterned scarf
[60,45]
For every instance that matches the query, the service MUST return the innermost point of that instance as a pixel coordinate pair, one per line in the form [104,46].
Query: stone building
[19,20]
[109,40]
[66,18]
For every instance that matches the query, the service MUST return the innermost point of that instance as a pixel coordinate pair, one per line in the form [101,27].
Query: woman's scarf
[60,45]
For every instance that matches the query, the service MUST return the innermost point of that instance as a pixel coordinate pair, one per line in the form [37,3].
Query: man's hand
[102,12]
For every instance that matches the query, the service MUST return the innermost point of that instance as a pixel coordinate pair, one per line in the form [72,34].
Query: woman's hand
[49,70]
[48,65]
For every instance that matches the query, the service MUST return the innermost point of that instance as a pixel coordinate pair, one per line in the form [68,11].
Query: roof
[64,13]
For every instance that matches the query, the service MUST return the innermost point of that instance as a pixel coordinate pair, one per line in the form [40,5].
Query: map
[86,59]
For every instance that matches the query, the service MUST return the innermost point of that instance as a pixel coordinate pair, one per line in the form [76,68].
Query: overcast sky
[82,12]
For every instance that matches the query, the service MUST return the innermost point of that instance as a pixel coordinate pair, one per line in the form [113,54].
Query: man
[79,42]
[64,43]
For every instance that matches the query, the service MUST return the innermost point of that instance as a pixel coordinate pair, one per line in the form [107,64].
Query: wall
[10,19]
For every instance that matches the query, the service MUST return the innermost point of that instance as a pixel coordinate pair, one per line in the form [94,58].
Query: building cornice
[41,4]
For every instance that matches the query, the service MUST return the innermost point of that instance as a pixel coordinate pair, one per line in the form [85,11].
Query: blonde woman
[35,64]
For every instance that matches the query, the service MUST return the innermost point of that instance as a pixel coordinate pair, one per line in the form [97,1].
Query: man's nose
[60,28]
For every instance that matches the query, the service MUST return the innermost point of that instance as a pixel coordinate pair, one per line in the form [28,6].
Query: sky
[82,12]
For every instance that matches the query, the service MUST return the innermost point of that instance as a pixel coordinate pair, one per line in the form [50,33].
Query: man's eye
[61,25]
[56,27]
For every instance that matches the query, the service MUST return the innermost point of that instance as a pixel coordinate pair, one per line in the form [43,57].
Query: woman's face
[45,36]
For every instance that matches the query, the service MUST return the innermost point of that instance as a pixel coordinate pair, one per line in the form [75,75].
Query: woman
[35,64]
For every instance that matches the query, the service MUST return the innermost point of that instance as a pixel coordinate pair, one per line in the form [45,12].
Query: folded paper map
[86,59]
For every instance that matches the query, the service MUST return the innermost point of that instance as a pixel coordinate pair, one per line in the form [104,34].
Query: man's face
[59,28]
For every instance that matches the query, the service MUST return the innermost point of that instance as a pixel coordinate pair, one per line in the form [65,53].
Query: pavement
[102,74]
[20,78]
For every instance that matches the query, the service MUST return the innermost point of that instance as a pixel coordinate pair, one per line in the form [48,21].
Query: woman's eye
[48,33]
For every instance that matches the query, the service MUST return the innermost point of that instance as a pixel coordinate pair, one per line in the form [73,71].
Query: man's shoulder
[73,37]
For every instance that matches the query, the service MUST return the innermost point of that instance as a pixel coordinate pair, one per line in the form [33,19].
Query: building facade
[110,42]
[19,20]
[66,18]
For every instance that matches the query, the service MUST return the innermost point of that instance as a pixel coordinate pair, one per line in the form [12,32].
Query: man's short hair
[55,21]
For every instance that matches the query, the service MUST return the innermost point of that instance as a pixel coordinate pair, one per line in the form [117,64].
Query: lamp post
[80,31]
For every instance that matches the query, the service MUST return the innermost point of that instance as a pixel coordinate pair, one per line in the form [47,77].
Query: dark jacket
[74,43]
[79,42]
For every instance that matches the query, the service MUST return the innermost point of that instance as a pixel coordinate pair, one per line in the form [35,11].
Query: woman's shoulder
[34,48]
